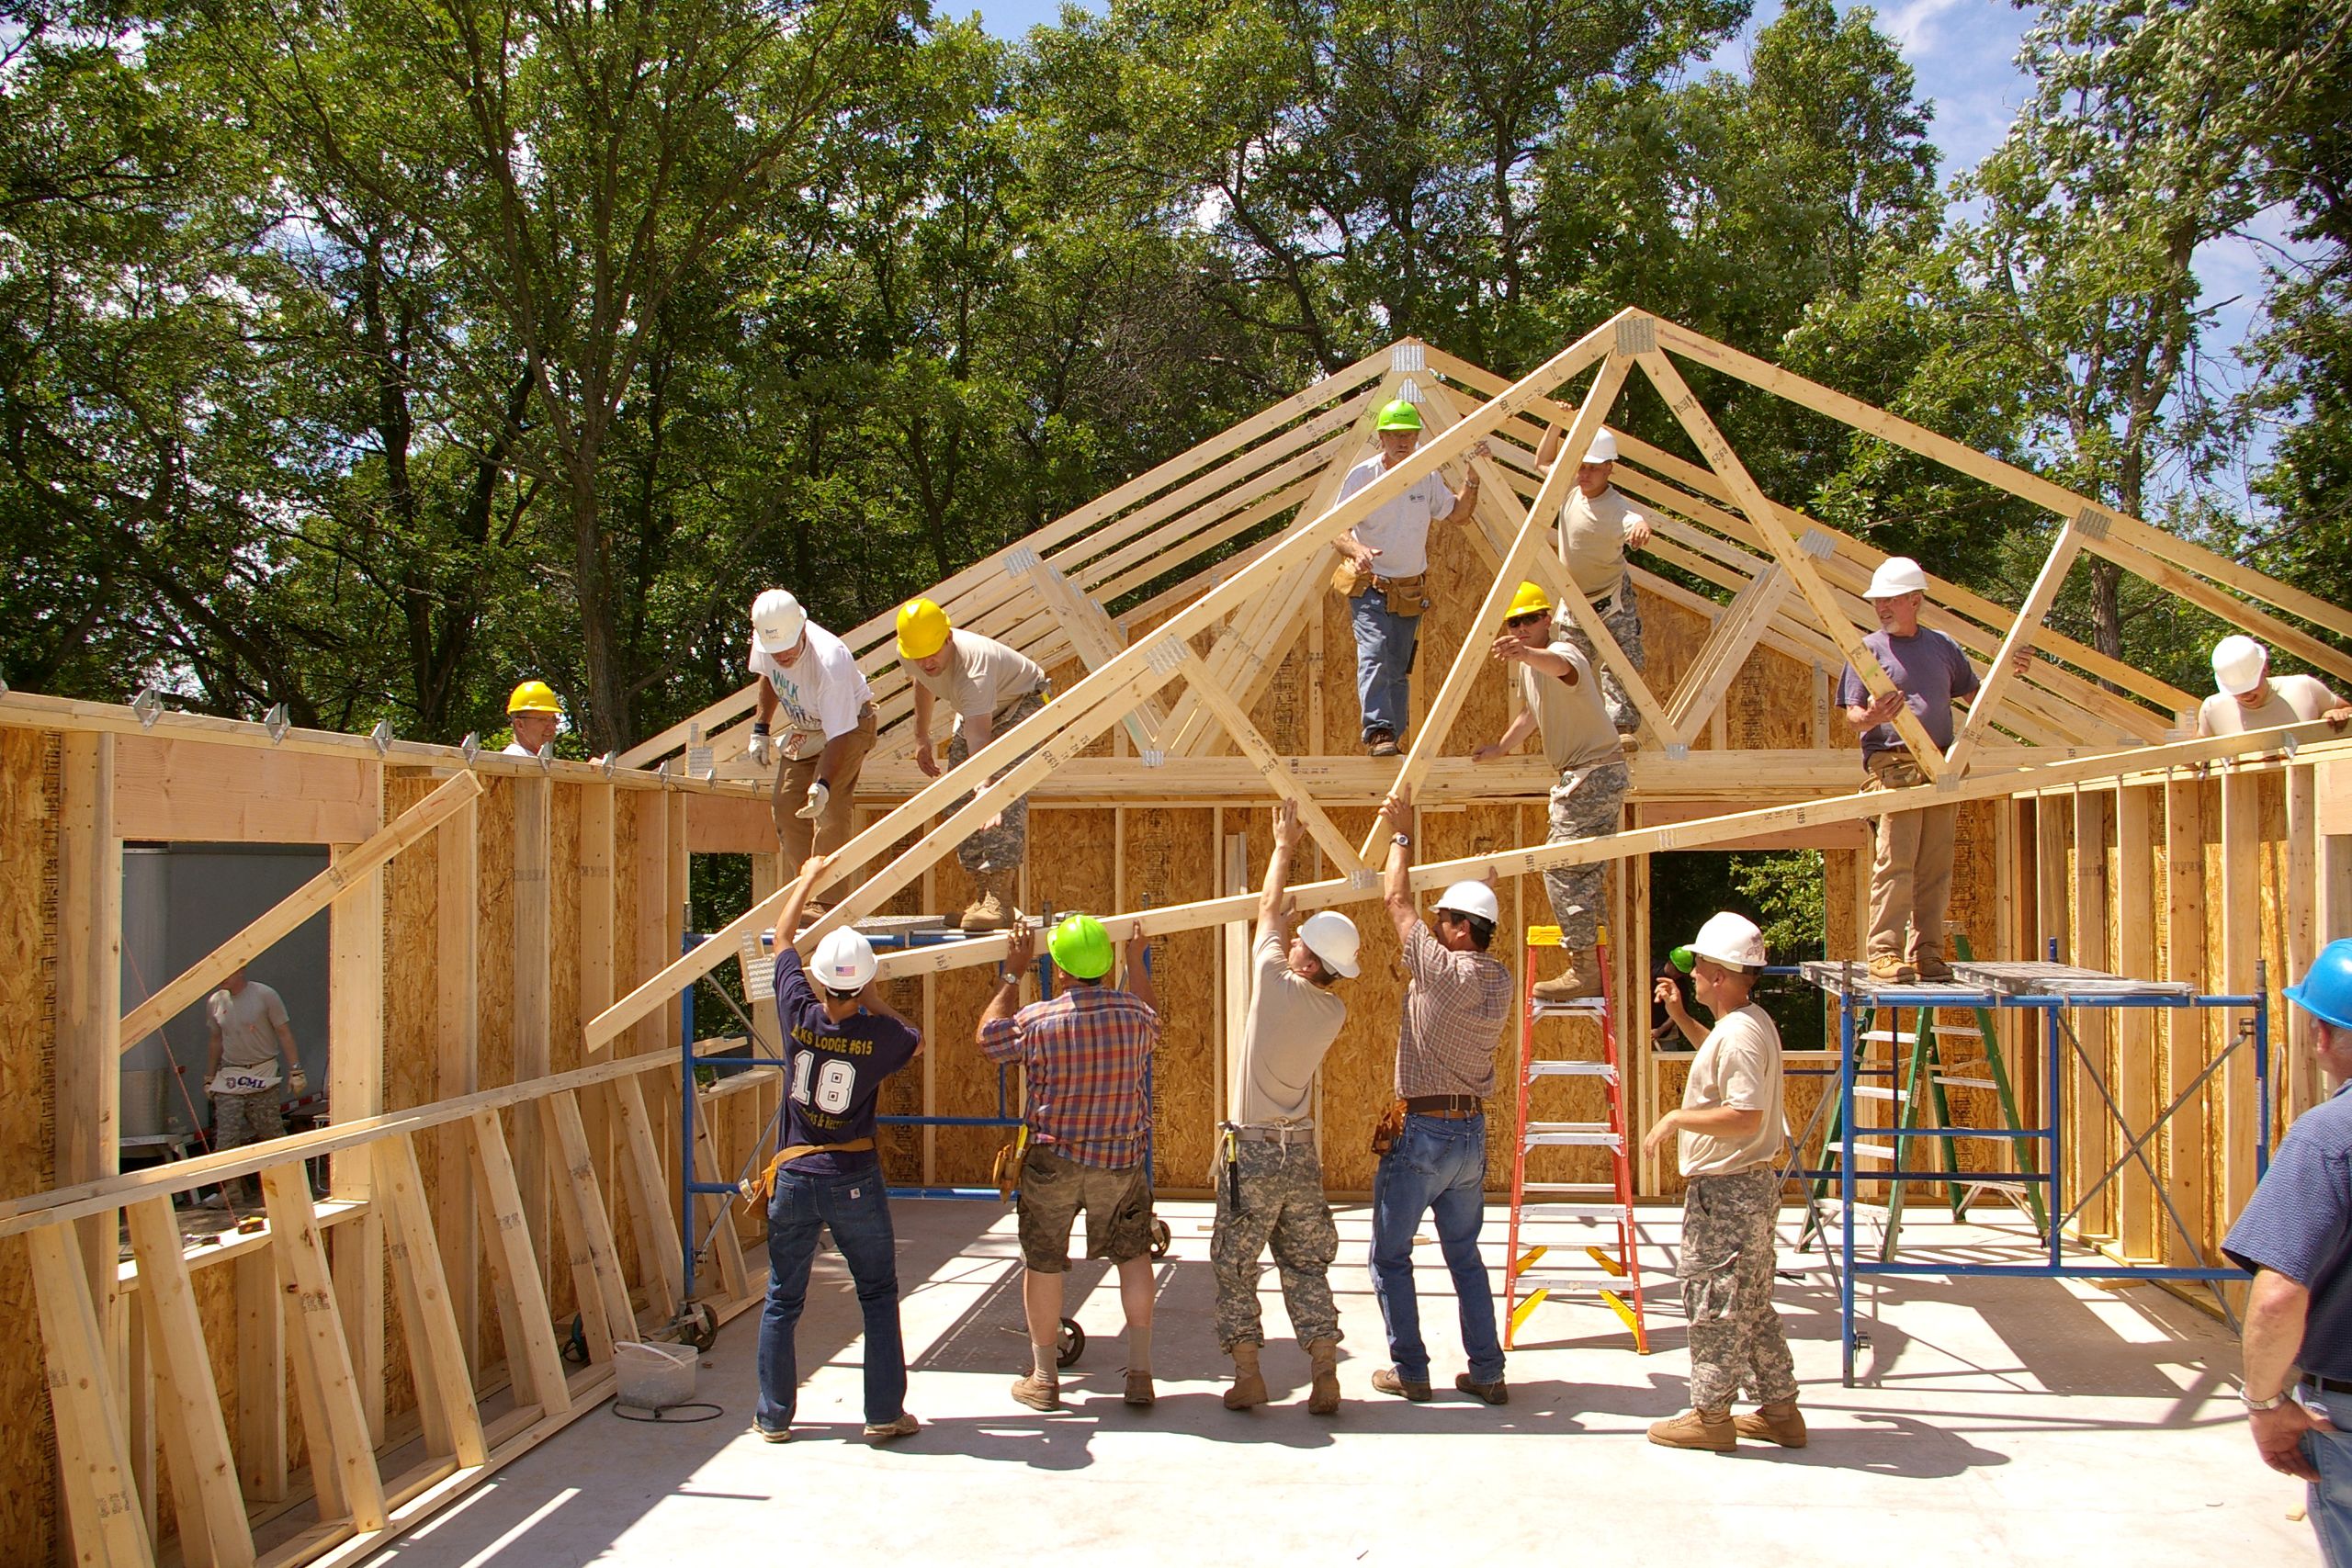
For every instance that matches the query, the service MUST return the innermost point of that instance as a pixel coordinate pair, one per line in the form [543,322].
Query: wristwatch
[2273,1403]
[1402,841]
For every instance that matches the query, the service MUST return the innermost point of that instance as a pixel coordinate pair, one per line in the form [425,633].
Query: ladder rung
[1967,1083]
[1872,1091]
[1548,1067]
[1873,1151]
[1574,1141]
[1994,1185]
[1907,1036]
[1573,1211]
[1583,1007]
[1567,1190]
[1571,1127]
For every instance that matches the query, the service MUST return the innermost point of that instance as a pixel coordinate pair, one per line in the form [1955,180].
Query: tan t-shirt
[248,1021]
[981,676]
[1738,1066]
[1292,1023]
[2294,699]
[1572,718]
[1596,533]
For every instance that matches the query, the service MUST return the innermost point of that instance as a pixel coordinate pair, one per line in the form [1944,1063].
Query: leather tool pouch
[1406,596]
[1388,1129]
[1348,580]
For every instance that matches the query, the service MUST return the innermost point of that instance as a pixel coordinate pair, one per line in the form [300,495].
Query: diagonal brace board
[1270,763]
[1741,627]
[1095,640]
[2018,641]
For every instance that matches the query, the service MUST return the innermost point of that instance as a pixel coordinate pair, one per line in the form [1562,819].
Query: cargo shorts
[1054,1187]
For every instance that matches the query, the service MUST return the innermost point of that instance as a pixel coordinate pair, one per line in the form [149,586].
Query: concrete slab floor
[2004,1421]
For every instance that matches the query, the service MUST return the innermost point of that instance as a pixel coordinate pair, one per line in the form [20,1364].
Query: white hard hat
[2238,664]
[845,960]
[777,621]
[1730,939]
[1603,449]
[1473,898]
[1895,576]
[1331,937]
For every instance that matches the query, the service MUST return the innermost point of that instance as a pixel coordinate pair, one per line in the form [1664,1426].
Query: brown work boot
[1929,963]
[1385,1380]
[1494,1392]
[1778,1423]
[1710,1430]
[1249,1388]
[906,1426]
[1891,968]
[1037,1392]
[1381,743]
[1580,979]
[1139,1394]
[1323,1396]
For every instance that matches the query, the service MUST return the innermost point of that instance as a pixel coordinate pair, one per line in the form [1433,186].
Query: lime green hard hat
[1398,415]
[1081,948]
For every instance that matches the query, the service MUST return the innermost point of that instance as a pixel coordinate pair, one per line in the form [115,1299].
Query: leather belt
[1449,1107]
[1275,1133]
[2328,1385]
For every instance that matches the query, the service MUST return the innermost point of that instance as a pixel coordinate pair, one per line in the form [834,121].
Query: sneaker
[1037,1393]
[1385,1380]
[767,1435]
[1139,1394]
[1697,1429]
[1891,968]
[1780,1424]
[905,1426]
[1493,1392]
[1381,743]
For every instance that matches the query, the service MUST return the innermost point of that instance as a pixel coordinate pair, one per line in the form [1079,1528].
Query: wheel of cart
[1071,1344]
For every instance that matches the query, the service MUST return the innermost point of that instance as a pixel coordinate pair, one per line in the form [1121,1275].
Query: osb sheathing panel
[1170,858]
[411,957]
[494,990]
[28,785]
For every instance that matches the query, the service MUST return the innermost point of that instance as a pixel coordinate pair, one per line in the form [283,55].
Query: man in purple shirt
[840,1040]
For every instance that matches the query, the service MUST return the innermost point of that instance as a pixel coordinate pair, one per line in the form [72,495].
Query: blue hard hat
[2325,992]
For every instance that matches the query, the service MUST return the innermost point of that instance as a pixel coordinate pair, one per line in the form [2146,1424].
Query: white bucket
[653,1377]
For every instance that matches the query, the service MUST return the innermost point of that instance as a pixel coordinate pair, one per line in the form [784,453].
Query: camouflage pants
[1281,1202]
[1585,802]
[1000,847]
[1728,1245]
[1622,616]
[242,1119]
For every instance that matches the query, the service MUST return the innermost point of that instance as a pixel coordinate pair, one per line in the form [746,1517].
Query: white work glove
[819,794]
[762,749]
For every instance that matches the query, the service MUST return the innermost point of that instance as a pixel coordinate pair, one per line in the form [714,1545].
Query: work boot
[1777,1423]
[1581,978]
[1248,1384]
[1929,963]
[905,1426]
[1323,1397]
[1037,1392]
[1385,1380]
[1712,1430]
[1381,743]
[1494,1392]
[1889,968]
[1139,1392]
[991,907]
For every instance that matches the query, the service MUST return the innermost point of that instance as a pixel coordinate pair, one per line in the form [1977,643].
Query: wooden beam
[2187,1030]
[650,1207]
[199,790]
[2302,937]
[2136,808]
[1097,641]
[2093,1126]
[351,874]
[87,1085]
[356,1091]
[456,1062]
[343,1455]
[261,1377]
[596,1266]
[2018,641]
[534,986]
[533,1362]
[1726,653]
[109,1523]
[1270,765]
[212,1529]
[2241,890]
[437,1357]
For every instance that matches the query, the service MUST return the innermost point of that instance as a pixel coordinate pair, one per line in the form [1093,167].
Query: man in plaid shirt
[1456,1009]
[1083,1056]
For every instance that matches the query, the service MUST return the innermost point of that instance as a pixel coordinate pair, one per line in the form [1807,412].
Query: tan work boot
[1140,1390]
[1778,1423]
[1891,968]
[1037,1392]
[1388,1380]
[1249,1388]
[1581,978]
[992,908]
[1712,1430]
[1929,963]
[1323,1397]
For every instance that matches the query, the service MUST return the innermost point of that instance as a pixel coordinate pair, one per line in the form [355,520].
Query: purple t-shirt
[832,1071]
[1929,668]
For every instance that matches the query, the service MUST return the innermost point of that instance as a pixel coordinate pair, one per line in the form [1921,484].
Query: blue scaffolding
[2055,991]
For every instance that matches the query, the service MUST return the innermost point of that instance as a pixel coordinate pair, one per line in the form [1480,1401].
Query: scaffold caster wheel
[1071,1344]
[1161,1237]
[701,1327]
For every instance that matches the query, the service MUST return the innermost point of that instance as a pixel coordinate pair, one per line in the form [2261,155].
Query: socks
[1047,1362]
[1138,1347]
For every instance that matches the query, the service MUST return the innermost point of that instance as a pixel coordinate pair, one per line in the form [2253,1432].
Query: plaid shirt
[1083,1056]
[1455,1012]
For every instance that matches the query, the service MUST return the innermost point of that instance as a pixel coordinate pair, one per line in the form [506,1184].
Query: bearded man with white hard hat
[2250,697]
[840,1040]
[1269,1178]
[1728,1132]
[1598,525]
[1432,1142]
[810,676]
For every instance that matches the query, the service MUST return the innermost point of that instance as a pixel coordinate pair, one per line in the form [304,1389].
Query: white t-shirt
[517,748]
[1400,530]
[248,1020]
[2294,699]
[1292,1023]
[1573,720]
[1738,1066]
[820,696]
[1596,533]
[982,676]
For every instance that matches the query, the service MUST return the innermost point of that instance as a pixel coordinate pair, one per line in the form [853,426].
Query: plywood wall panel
[30,1506]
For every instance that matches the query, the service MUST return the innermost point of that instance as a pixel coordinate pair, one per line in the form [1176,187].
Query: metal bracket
[1410,392]
[699,760]
[1680,751]
[1154,758]
[383,736]
[662,772]
[1405,359]
[2092,523]
[470,746]
[275,721]
[4,686]
[1363,879]
[1167,656]
[1020,561]
[1818,544]
[149,706]
[610,765]
[2291,744]
[1639,335]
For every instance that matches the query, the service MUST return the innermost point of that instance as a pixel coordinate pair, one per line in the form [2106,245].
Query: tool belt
[1388,1129]
[1272,1131]
[762,1189]
[1406,596]
[1895,770]
[1449,1107]
[1006,1171]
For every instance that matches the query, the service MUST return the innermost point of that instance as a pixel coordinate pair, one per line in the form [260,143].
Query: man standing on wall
[989,688]
[1432,1143]
[1728,1133]
[1084,1055]
[1383,572]
[2296,1235]
[810,675]
[1559,697]
[248,1037]
[840,1040]
[1270,1180]
[1598,525]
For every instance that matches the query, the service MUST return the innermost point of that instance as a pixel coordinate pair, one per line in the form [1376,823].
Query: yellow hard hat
[1529,600]
[923,629]
[533,697]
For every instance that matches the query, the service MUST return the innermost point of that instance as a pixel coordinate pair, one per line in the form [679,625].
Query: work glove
[819,794]
[762,749]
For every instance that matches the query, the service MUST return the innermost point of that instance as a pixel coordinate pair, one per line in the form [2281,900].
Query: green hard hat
[1081,948]
[1682,958]
[1398,415]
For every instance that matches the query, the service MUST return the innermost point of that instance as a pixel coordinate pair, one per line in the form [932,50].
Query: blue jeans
[1384,662]
[2330,1502]
[857,1213]
[1435,1166]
